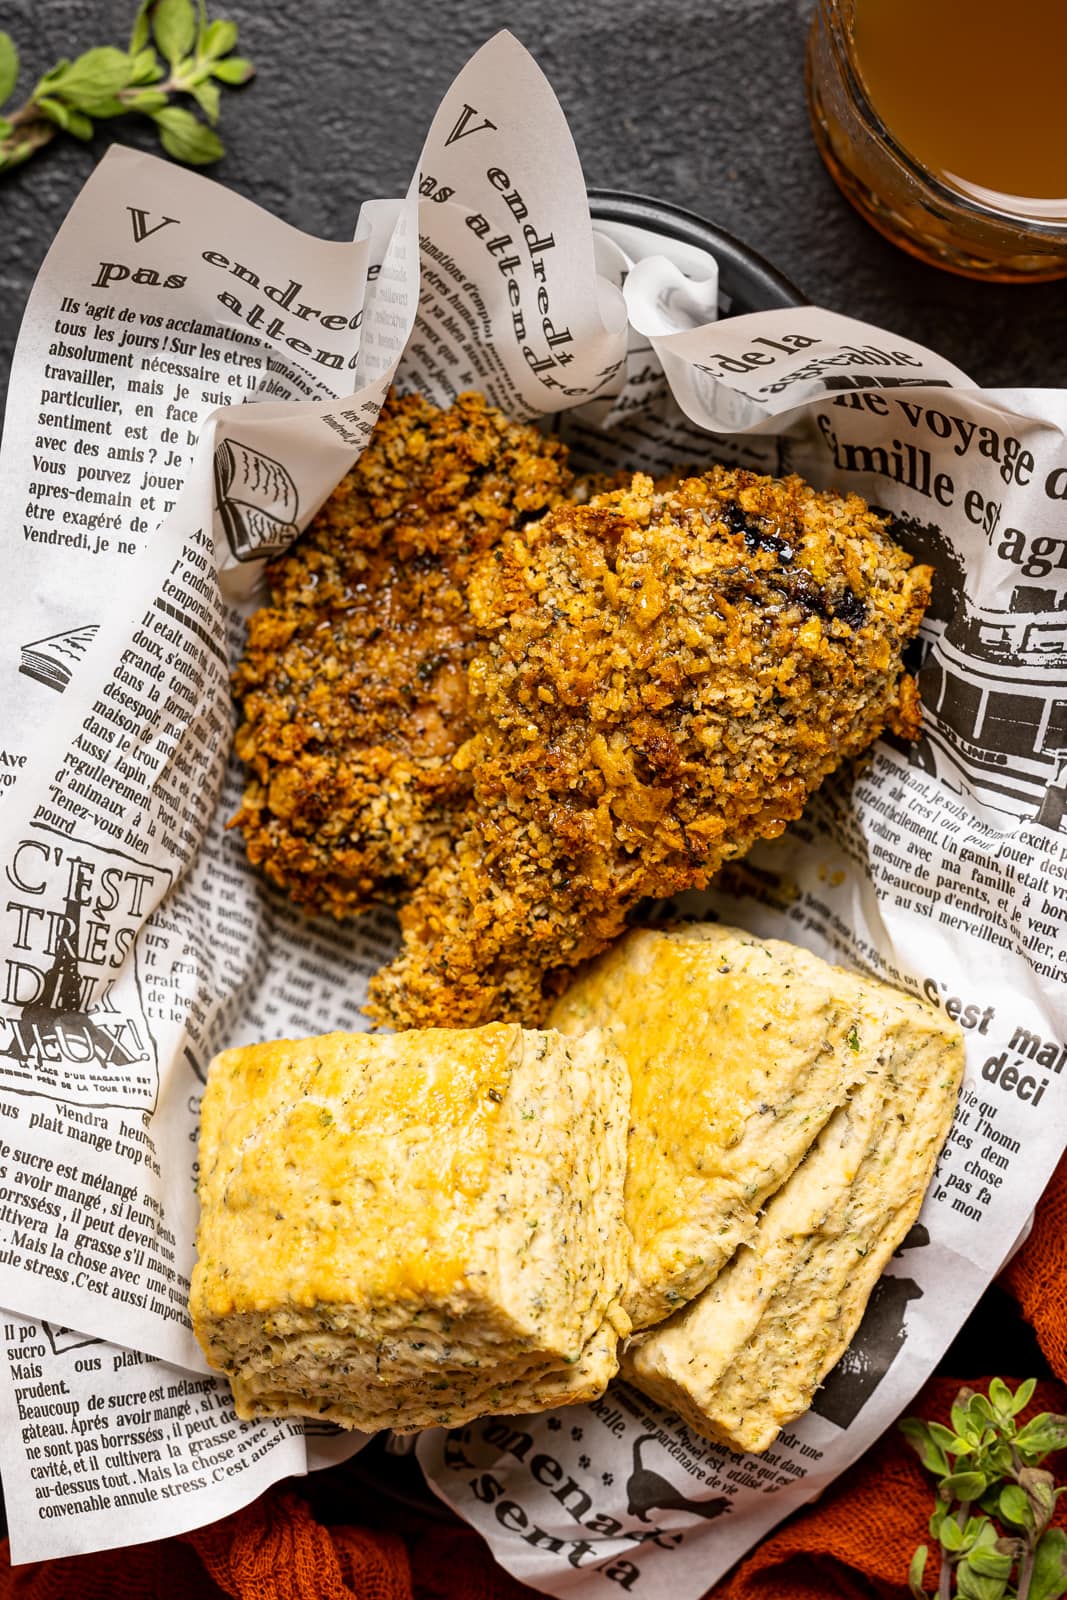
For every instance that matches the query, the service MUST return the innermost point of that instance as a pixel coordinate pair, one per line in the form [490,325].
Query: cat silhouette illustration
[872,1352]
[647,1491]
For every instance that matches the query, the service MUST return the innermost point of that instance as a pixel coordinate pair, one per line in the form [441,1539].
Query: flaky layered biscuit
[402,1231]
[739,1049]
[745,1357]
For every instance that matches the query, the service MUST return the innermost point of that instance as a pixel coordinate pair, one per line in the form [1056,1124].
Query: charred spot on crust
[799,587]
[772,543]
[756,534]
[848,608]
[524,518]
[796,587]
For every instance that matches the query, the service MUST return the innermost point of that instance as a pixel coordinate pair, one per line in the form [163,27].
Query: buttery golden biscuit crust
[745,1357]
[739,1049]
[662,679]
[410,1230]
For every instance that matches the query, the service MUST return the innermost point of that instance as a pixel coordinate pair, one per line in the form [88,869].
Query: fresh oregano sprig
[108,82]
[994,1499]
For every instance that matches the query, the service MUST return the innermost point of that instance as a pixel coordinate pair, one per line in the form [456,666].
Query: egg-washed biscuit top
[405,1230]
[739,1050]
[745,1358]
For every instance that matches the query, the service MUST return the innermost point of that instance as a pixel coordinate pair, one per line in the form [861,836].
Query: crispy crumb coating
[353,683]
[664,678]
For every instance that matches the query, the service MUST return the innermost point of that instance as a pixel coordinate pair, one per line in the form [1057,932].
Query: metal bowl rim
[774,289]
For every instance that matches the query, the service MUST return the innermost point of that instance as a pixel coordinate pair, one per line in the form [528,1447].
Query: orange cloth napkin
[855,1544]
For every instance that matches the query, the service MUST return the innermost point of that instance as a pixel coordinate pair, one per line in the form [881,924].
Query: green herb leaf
[919,1436]
[971,1585]
[186,139]
[958,1409]
[995,1471]
[965,1485]
[1040,1490]
[982,1408]
[915,1572]
[146,67]
[944,1437]
[108,82]
[217,39]
[97,75]
[9,66]
[990,1501]
[1000,1395]
[234,70]
[140,33]
[206,96]
[53,110]
[951,1534]
[148,100]
[1049,1580]
[1042,1434]
[1013,1506]
[174,27]
[80,125]
[990,1564]
[979,1534]
[56,72]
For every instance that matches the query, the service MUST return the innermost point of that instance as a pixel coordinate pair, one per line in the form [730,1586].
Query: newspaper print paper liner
[137,941]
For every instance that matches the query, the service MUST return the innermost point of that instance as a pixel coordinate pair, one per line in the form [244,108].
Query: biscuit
[400,1231]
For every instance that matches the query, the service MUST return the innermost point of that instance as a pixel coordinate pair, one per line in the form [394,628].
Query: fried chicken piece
[664,679]
[353,682]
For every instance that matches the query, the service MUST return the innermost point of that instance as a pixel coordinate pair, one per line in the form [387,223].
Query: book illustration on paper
[63,1339]
[52,660]
[257,501]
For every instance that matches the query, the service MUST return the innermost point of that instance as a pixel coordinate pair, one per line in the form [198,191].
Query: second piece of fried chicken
[664,678]
[353,683]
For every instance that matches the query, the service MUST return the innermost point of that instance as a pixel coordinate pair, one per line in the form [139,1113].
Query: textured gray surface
[697,101]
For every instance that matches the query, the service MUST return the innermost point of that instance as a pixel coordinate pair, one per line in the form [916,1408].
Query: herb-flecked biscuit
[739,1050]
[401,1231]
[745,1358]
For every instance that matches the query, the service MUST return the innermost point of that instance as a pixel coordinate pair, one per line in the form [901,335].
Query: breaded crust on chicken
[353,684]
[663,679]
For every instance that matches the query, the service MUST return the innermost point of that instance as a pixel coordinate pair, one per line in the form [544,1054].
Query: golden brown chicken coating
[664,679]
[353,684]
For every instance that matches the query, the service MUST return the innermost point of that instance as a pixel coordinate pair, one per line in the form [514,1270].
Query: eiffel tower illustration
[56,1012]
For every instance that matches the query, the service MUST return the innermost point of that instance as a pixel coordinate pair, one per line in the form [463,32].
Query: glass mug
[996,112]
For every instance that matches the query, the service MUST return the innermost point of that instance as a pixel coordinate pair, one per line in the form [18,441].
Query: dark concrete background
[697,101]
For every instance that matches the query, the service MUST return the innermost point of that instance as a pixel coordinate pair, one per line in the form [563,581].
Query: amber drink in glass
[945,124]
